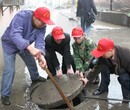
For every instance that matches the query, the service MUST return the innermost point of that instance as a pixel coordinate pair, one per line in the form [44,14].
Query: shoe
[41,79]
[96,80]
[5,100]
[98,91]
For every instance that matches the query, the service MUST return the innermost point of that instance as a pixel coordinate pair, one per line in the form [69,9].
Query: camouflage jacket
[82,54]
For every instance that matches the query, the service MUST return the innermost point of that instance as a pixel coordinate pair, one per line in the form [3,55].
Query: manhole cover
[47,96]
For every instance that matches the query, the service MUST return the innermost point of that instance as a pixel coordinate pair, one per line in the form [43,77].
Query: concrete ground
[19,96]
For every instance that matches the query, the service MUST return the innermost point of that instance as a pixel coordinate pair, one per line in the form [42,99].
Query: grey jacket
[84,6]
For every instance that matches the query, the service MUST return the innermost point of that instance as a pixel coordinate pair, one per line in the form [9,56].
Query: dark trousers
[51,67]
[105,79]
[124,80]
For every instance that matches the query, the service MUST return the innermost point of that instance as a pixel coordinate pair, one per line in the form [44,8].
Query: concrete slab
[47,96]
[114,17]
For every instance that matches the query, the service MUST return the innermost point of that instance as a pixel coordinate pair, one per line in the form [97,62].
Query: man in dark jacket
[114,59]
[84,8]
[26,27]
[58,41]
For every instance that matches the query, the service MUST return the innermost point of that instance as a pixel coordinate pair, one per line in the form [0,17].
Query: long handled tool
[59,90]
[114,99]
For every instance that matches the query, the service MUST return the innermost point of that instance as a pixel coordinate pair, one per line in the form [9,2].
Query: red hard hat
[43,14]
[58,33]
[77,32]
[104,45]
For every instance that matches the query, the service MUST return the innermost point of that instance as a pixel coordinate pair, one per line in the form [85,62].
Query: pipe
[99,98]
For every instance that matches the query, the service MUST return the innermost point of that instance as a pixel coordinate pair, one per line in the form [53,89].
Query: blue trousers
[85,26]
[124,80]
[9,70]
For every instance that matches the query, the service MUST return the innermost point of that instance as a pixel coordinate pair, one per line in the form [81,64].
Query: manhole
[46,96]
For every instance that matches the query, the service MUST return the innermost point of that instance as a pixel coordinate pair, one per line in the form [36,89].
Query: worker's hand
[77,72]
[34,51]
[84,80]
[81,75]
[42,62]
[70,71]
[59,73]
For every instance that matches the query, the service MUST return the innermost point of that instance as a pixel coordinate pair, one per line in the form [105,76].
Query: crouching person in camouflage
[82,47]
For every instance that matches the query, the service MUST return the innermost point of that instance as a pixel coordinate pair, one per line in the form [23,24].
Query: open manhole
[46,96]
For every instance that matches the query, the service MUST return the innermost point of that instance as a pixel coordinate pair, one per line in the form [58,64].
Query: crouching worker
[58,41]
[82,48]
[111,59]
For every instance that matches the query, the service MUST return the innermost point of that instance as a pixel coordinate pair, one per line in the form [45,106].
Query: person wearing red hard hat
[116,60]
[104,45]
[26,27]
[58,34]
[82,48]
[59,41]
[43,14]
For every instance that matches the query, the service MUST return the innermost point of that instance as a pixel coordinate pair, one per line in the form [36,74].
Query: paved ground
[19,95]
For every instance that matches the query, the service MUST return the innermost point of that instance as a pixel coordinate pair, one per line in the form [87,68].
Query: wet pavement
[20,91]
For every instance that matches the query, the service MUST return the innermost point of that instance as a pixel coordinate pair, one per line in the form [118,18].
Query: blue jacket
[21,34]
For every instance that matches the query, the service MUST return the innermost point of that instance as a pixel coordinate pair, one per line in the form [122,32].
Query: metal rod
[59,89]
[114,99]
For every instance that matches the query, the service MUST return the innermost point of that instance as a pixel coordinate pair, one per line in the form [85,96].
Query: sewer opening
[75,102]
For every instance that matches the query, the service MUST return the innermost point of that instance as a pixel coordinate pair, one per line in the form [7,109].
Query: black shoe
[98,91]
[41,79]
[5,100]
